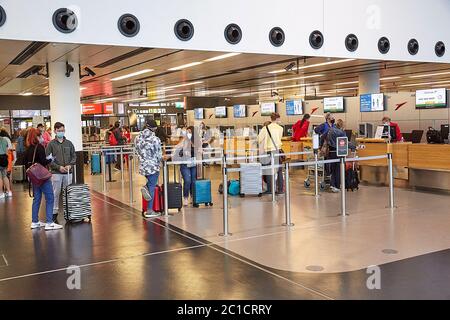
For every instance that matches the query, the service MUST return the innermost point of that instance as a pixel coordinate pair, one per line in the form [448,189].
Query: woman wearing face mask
[186,151]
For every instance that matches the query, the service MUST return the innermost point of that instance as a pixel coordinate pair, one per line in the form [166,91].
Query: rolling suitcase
[18,173]
[175,193]
[202,193]
[157,202]
[77,201]
[250,179]
[95,164]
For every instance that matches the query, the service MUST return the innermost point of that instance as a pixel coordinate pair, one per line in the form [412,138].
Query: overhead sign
[94,108]
[334,104]
[342,146]
[108,108]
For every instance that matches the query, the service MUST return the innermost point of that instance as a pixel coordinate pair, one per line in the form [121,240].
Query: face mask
[183,133]
[189,136]
[333,121]
[60,135]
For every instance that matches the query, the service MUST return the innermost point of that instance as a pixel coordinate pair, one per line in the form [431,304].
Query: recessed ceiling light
[27,94]
[223,56]
[184,66]
[430,74]
[130,75]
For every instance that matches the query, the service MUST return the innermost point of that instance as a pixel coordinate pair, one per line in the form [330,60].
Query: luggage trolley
[324,178]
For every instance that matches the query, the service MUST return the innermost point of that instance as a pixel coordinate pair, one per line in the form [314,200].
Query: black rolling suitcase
[175,193]
[77,201]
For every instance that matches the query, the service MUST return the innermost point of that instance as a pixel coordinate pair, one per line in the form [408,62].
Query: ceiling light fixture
[183,85]
[389,78]
[344,83]
[132,75]
[105,100]
[223,56]
[27,94]
[315,65]
[423,83]
[430,74]
[184,66]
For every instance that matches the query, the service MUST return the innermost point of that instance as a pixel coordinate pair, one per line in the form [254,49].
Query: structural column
[65,106]
[369,82]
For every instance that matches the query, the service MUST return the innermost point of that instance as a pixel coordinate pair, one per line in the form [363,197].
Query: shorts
[3,172]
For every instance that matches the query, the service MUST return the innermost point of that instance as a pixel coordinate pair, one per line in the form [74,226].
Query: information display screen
[371,102]
[294,107]
[334,104]
[240,111]
[221,112]
[430,99]
[199,114]
[267,108]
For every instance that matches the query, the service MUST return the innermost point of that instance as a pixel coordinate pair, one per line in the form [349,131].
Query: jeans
[152,180]
[267,176]
[59,181]
[47,190]
[335,171]
[189,177]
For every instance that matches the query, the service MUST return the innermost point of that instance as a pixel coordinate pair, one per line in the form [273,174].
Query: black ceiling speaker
[65,20]
[351,42]
[184,30]
[2,16]
[384,45]
[128,25]
[413,46]
[233,33]
[316,39]
[439,48]
[276,37]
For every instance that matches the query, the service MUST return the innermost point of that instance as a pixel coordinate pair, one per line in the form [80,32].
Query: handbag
[282,158]
[37,173]
[325,149]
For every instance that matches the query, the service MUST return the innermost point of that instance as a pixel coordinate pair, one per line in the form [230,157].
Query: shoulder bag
[282,158]
[37,173]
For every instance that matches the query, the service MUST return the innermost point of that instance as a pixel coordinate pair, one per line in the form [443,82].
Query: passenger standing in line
[35,153]
[186,151]
[322,129]
[300,128]
[20,147]
[63,153]
[269,139]
[332,135]
[117,132]
[5,147]
[161,133]
[45,137]
[149,151]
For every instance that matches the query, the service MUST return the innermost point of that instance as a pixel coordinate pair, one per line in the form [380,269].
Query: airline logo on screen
[399,105]
[314,110]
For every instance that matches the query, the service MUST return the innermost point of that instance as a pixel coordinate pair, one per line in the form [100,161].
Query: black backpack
[434,136]
[351,179]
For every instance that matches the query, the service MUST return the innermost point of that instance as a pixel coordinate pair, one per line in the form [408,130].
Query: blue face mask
[60,135]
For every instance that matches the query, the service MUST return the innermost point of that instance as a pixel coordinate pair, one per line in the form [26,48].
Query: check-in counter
[376,171]
[296,146]
[429,166]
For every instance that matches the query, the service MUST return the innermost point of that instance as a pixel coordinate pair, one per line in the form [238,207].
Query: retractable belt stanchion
[165,182]
[130,186]
[225,198]
[287,199]
[391,182]
[343,191]
[103,156]
[121,164]
[272,163]
[316,173]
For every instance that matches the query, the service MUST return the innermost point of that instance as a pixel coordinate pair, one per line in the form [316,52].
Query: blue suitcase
[95,164]
[202,193]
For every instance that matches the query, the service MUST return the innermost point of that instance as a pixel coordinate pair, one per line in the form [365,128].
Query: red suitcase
[157,202]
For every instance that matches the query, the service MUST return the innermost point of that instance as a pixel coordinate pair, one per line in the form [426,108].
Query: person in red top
[300,128]
[398,133]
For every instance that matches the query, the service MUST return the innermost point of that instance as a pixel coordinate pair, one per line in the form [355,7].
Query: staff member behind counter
[398,134]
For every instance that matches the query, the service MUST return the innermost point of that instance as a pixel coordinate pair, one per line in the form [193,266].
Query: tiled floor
[122,256]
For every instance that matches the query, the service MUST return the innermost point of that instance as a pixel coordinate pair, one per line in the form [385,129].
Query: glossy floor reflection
[123,256]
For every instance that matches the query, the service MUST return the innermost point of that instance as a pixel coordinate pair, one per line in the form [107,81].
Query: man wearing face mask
[64,158]
[322,130]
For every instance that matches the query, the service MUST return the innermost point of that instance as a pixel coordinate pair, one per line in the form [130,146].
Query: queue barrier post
[165,182]
[316,174]
[225,198]
[287,198]
[391,181]
[272,163]
[343,191]
[130,186]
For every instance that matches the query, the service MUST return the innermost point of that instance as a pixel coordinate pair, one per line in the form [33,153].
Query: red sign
[92,109]
[7,121]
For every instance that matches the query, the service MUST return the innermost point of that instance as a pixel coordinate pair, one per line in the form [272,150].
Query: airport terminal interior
[288,232]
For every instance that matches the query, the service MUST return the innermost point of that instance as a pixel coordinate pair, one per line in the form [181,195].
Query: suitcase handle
[74,175]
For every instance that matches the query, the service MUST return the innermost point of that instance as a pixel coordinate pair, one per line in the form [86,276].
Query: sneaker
[151,214]
[35,225]
[9,194]
[186,202]
[55,218]
[52,226]
[2,196]
[335,190]
[146,193]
